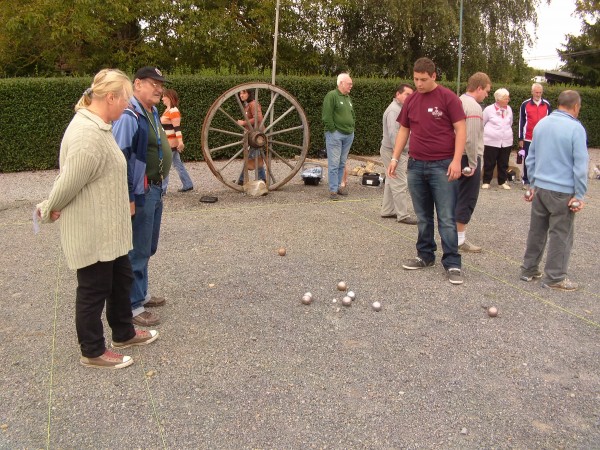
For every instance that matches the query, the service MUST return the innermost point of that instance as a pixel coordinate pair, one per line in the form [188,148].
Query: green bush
[34,112]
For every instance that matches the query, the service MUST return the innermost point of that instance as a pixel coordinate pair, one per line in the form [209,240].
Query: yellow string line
[471,267]
[152,402]
[51,381]
[338,203]
[536,296]
[266,205]
[341,203]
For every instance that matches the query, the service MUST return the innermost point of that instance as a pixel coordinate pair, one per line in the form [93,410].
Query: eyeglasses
[157,86]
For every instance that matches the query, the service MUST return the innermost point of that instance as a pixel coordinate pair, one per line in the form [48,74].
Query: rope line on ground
[152,402]
[268,205]
[341,203]
[514,286]
[53,351]
[536,296]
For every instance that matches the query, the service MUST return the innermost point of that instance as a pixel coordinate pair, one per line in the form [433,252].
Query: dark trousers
[493,156]
[101,282]
[526,145]
[468,192]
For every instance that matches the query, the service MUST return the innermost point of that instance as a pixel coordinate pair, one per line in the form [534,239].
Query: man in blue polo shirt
[557,165]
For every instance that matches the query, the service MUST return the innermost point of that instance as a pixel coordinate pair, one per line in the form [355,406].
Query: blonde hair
[105,82]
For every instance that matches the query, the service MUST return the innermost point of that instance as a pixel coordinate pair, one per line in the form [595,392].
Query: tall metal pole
[459,47]
[271,116]
[275,43]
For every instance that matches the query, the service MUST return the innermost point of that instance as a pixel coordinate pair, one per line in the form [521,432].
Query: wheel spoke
[233,144]
[231,118]
[271,106]
[233,158]
[280,158]
[287,130]
[279,118]
[287,144]
[231,133]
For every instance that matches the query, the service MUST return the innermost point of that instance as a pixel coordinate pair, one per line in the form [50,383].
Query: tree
[582,53]
[367,37]
[384,37]
[46,37]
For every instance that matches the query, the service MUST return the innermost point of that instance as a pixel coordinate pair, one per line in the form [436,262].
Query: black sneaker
[416,263]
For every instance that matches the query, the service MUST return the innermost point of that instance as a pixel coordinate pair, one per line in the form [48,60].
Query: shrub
[34,112]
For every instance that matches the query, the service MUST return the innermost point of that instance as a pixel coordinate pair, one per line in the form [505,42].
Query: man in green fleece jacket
[338,122]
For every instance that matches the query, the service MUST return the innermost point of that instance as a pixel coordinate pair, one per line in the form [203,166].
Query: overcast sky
[554,22]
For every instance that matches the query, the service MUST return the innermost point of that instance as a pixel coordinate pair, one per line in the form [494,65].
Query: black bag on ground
[371,179]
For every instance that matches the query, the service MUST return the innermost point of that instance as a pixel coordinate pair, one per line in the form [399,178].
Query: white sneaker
[485,186]
[505,186]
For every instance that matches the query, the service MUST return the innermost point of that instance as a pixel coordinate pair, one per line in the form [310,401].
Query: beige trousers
[395,191]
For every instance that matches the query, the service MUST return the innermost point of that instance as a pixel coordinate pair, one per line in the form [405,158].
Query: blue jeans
[184,176]
[338,146]
[429,187]
[146,229]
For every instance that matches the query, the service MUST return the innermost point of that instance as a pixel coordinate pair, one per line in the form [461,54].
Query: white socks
[461,237]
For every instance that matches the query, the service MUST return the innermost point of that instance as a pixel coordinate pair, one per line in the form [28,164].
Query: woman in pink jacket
[497,139]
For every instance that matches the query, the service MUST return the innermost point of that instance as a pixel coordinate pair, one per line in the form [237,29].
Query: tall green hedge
[34,112]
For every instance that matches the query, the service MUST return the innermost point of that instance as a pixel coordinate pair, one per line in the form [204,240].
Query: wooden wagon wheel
[282,137]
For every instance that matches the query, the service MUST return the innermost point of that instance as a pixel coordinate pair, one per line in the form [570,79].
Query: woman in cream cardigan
[91,199]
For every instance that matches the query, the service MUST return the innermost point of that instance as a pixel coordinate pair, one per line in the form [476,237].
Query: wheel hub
[257,139]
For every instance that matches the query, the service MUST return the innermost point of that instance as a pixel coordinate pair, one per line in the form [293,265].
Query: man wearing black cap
[142,139]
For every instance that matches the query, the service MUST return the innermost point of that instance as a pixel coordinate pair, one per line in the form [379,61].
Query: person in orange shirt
[171,122]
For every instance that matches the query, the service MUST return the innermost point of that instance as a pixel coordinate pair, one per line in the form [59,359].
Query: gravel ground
[241,363]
